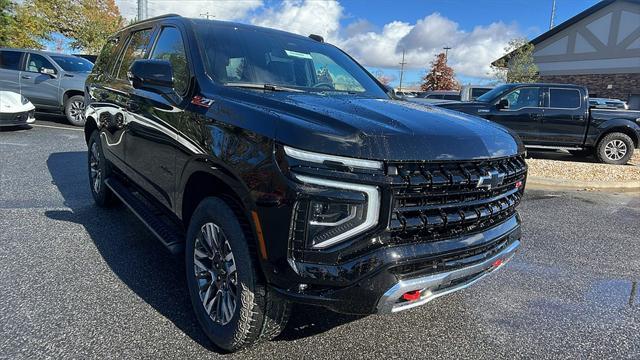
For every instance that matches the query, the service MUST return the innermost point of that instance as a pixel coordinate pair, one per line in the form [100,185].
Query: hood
[11,102]
[385,129]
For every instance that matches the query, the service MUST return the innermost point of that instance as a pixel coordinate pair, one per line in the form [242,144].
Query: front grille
[435,201]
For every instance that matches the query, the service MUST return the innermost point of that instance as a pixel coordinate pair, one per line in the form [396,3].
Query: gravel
[584,170]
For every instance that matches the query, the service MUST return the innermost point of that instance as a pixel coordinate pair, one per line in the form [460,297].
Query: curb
[566,184]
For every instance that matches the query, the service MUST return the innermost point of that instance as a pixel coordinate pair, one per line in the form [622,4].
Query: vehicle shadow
[140,261]
[15,128]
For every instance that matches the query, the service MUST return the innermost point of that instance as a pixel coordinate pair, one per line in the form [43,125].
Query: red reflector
[497,263]
[518,184]
[411,295]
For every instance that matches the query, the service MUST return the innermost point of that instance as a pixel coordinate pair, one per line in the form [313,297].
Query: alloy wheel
[215,270]
[615,149]
[94,167]
[76,110]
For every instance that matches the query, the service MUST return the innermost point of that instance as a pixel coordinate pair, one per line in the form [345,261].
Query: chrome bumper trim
[431,286]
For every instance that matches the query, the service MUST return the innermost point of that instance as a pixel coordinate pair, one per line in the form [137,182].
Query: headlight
[25,101]
[322,158]
[323,221]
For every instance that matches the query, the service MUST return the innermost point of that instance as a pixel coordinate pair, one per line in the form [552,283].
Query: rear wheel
[74,110]
[615,149]
[232,304]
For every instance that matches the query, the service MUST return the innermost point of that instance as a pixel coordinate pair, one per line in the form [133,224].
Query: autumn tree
[440,76]
[7,19]
[86,23]
[518,65]
[382,77]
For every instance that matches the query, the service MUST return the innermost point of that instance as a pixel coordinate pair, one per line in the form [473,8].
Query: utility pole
[446,53]
[553,14]
[207,15]
[402,64]
[142,9]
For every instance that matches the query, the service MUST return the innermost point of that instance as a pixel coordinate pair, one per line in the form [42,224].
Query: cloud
[303,17]
[222,10]
[471,54]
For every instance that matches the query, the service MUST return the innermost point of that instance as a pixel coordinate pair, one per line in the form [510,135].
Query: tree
[7,19]
[440,77]
[518,65]
[86,23]
[382,77]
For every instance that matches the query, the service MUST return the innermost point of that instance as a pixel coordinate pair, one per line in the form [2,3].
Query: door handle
[26,77]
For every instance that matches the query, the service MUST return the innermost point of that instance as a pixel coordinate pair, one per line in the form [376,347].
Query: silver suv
[52,82]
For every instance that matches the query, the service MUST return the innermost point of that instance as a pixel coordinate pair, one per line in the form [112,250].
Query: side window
[10,60]
[170,47]
[138,42]
[106,56]
[528,97]
[564,98]
[38,62]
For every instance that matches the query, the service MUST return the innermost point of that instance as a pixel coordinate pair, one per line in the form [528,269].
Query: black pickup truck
[557,116]
[286,173]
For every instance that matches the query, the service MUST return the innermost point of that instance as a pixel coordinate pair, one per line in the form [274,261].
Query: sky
[375,32]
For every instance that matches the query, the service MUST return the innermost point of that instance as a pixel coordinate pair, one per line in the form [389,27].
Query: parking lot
[85,282]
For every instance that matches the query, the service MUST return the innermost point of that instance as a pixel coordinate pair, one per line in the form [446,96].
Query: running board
[552,147]
[170,236]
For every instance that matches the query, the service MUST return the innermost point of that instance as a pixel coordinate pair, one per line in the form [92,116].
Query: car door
[153,135]
[10,64]
[522,114]
[565,117]
[40,81]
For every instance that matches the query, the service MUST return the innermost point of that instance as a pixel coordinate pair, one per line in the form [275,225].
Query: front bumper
[16,119]
[376,282]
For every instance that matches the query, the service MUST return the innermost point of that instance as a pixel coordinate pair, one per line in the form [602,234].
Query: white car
[15,109]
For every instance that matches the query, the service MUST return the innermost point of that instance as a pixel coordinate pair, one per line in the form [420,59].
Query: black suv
[286,173]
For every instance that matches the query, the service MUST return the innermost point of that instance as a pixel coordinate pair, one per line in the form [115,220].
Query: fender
[602,126]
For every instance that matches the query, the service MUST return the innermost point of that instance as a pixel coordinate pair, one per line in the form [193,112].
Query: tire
[615,149]
[254,313]
[99,170]
[74,110]
[581,153]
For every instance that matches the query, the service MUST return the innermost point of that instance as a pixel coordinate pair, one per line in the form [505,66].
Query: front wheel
[232,304]
[99,171]
[615,149]
[74,110]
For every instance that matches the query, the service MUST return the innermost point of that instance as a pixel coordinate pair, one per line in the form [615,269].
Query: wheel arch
[89,127]
[69,93]
[627,130]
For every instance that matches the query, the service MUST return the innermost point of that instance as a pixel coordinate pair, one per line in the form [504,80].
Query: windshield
[237,56]
[73,63]
[490,95]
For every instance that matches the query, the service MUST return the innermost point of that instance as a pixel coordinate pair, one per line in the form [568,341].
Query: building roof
[568,23]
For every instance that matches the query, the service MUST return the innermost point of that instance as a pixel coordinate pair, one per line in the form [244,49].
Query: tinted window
[170,47]
[73,63]
[10,60]
[523,98]
[106,57]
[246,55]
[564,98]
[451,97]
[135,50]
[475,92]
[38,62]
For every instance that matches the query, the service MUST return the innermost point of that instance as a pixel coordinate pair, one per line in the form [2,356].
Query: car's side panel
[564,126]
[10,78]
[43,90]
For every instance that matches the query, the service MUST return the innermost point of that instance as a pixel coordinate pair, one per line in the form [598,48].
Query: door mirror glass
[502,104]
[48,71]
[152,75]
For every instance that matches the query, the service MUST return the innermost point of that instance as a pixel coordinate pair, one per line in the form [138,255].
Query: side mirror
[152,75]
[502,104]
[48,71]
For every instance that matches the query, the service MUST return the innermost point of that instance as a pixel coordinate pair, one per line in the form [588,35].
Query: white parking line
[57,127]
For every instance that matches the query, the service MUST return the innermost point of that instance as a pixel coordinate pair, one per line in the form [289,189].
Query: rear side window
[135,50]
[564,98]
[10,60]
[475,92]
[451,97]
[170,47]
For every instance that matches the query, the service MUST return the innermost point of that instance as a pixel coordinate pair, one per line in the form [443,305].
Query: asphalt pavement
[77,281]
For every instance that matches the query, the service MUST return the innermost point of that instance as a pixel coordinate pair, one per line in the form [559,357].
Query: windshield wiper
[270,87]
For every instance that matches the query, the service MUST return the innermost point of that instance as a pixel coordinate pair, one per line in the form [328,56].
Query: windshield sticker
[298,54]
